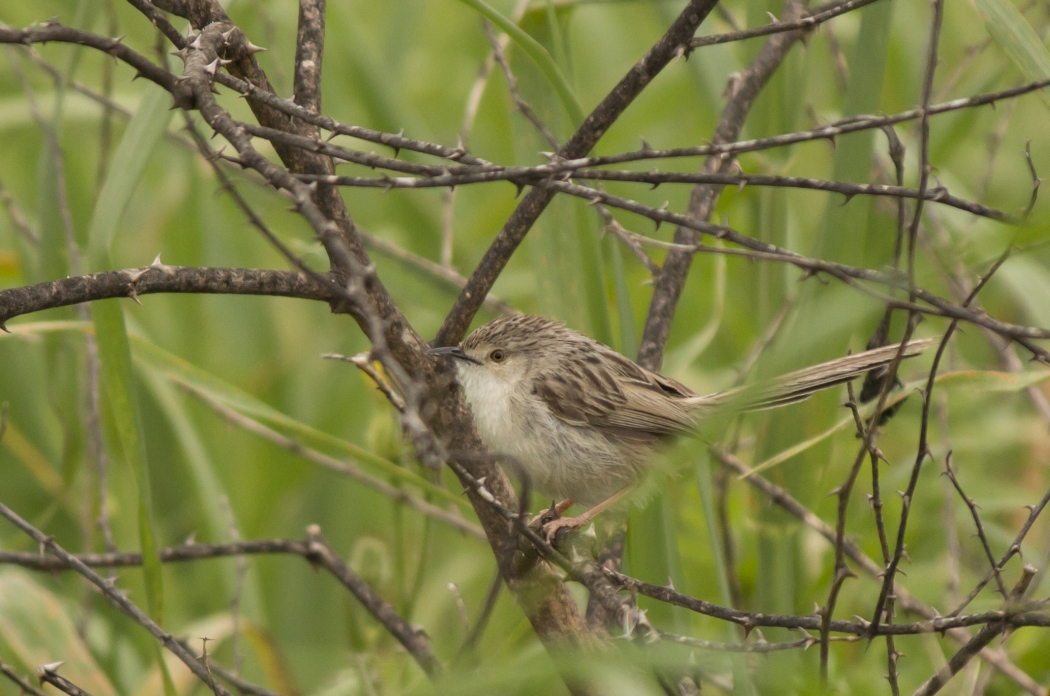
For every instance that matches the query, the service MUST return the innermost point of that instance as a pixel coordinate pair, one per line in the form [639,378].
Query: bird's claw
[550,529]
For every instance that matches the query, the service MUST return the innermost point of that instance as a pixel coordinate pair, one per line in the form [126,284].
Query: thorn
[196,43]
[252,49]
[49,668]
[3,327]
[228,33]
[133,276]
[156,263]
[397,148]
[211,67]
[134,295]
[646,147]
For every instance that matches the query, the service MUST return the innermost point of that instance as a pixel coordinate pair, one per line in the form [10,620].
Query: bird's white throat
[492,401]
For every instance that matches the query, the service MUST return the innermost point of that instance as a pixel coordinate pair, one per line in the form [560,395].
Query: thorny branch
[903,598]
[294,126]
[1018,615]
[581,142]
[117,599]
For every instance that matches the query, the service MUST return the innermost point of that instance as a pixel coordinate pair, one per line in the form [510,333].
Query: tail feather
[801,384]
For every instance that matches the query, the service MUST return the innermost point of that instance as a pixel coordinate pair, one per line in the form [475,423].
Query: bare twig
[49,674]
[345,468]
[743,88]
[118,599]
[972,506]
[23,684]
[438,271]
[413,640]
[983,637]
[17,218]
[904,599]
[596,124]
[807,22]
[157,278]
[923,450]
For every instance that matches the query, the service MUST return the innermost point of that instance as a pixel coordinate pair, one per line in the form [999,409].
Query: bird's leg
[552,527]
[556,510]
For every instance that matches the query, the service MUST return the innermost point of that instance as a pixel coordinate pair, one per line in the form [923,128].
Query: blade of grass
[684,355]
[194,378]
[593,273]
[209,487]
[705,486]
[38,466]
[127,167]
[1015,36]
[628,332]
[181,372]
[539,55]
[854,152]
[33,640]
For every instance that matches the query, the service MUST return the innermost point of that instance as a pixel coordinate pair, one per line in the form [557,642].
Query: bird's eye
[497,355]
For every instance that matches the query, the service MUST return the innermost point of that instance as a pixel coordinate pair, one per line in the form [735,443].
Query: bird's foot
[550,529]
[554,512]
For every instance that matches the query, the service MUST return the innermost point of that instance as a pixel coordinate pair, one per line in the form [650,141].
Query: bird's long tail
[801,384]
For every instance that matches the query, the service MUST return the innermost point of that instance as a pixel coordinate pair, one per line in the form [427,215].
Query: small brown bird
[584,421]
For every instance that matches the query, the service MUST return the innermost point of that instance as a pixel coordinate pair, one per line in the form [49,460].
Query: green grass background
[411,64]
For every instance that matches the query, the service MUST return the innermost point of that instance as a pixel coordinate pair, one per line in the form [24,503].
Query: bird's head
[505,350]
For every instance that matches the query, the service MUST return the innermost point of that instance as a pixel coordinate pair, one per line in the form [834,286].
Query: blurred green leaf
[36,626]
[539,56]
[181,372]
[142,135]
[1015,36]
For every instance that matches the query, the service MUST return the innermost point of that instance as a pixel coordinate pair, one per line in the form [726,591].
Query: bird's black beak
[453,351]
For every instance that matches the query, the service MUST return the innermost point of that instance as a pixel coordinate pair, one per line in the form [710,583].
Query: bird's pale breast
[562,460]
